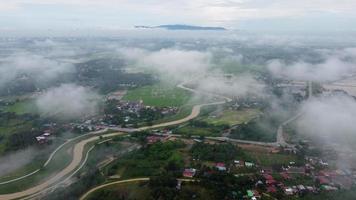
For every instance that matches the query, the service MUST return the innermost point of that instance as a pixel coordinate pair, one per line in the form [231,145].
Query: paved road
[79,147]
[121,182]
[280,136]
[76,160]
[50,158]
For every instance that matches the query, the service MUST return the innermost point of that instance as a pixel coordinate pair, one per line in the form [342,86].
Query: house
[249,164]
[271,182]
[153,139]
[46,134]
[267,176]
[271,189]
[253,194]
[328,188]
[189,173]
[285,175]
[301,188]
[269,179]
[296,170]
[220,166]
[322,180]
[288,191]
[239,163]
[41,139]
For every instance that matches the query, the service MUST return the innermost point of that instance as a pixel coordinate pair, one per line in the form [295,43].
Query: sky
[279,15]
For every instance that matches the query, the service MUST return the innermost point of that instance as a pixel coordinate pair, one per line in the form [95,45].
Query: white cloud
[236,86]
[197,11]
[333,68]
[36,66]
[174,63]
[68,101]
[329,118]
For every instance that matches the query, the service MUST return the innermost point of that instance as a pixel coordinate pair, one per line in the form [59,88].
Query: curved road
[49,158]
[80,146]
[83,197]
[79,149]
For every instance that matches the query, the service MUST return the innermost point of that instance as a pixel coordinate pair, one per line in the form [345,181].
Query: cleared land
[232,117]
[22,107]
[269,159]
[159,95]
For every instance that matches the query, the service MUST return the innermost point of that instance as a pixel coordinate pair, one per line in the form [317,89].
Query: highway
[78,150]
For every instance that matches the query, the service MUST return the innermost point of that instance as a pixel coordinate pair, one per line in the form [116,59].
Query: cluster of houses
[137,106]
[155,138]
[321,180]
[44,138]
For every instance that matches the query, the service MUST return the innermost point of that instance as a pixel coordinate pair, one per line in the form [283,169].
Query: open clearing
[233,117]
[159,95]
[269,159]
[22,107]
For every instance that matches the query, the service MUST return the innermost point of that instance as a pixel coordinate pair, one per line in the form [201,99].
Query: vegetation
[233,117]
[22,107]
[159,95]
[270,159]
[149,161]
[91,178]
[200,128]
[262,129]
[216,152]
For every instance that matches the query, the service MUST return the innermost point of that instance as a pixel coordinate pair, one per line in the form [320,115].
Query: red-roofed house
[153,139]
[271,182]
[220,166]
[285,175]
[189,173]
[323,180]
[271,189]
[268,176]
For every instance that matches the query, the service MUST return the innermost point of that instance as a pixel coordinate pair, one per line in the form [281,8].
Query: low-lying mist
[335,65]
[68,101]
[16,160]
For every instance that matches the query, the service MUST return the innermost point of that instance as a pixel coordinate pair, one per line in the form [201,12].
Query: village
[311,176]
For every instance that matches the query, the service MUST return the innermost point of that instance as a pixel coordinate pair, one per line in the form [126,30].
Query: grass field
[146,162]
[159,95]
[198,131]
[233,117]
[269,159]
[22,107]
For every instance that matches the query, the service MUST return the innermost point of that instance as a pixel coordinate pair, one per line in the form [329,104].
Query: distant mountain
[183,27]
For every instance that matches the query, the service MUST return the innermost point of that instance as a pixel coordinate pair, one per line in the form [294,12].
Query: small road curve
[280,133]
[49,158]
[84,196]
[20,178]
[79,147]
[76,161]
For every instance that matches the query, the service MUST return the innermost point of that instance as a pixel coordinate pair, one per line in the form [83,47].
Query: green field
[232,117]
[159,95]
[269,159]
[198,131]
[147,161]
[22,107]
